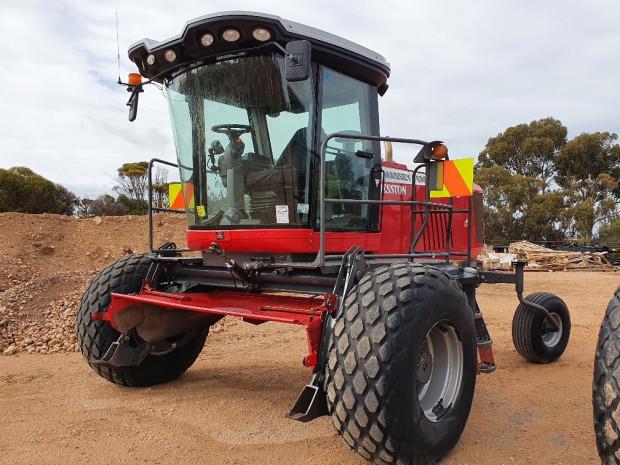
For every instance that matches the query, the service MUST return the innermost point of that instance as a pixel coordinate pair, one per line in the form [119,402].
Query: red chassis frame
[301,309]
[256,308]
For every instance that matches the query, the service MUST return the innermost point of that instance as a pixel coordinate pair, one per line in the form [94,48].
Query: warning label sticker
[282,214]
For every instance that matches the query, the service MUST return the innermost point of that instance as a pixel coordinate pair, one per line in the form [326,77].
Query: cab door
[353,166]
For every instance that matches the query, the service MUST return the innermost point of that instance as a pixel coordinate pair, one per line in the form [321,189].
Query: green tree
[515,209]
[547,217]
[609,233]
[84,207]
[107,205]
[160,188]
[68,199]
[527,149]
[132,180]
[588,168]
[132,206]
[23,190]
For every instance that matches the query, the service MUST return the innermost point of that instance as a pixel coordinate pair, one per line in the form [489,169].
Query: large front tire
[401,371]
[125,276]
[605,385]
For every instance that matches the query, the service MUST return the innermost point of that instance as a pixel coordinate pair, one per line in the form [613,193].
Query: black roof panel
[337,52]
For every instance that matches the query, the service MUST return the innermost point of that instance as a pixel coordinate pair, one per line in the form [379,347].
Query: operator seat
[295,155]
[296,151]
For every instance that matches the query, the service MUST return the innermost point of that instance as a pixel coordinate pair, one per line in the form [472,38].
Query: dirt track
[230,406]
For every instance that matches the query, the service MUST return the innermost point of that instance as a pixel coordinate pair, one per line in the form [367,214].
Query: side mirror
[435,176]
[298,61]
[132,103]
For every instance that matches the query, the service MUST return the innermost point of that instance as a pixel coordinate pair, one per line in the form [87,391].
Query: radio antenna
[118,50]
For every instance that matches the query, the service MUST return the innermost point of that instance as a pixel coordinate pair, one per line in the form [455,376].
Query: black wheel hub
[424,365]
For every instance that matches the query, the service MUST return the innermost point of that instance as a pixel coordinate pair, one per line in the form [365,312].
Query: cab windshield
[243,136]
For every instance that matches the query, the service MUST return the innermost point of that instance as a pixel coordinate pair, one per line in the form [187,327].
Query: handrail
[321,258]
[151,208]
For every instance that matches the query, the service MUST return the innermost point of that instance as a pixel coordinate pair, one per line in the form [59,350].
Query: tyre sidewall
[435,306]
[554,305]
[371,370]
[605,386]
[97,298]
[126,276]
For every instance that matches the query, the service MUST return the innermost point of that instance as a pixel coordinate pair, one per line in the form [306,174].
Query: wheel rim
[439,371]
[549,336]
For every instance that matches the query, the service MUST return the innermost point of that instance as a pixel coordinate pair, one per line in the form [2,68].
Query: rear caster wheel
[533,336]
[402,365]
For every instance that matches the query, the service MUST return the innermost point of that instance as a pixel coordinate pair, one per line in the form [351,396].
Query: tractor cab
[252,99]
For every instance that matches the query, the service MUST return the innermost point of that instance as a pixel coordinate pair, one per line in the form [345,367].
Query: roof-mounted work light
[207,39]
[231,35]
[170,55]
[261,34]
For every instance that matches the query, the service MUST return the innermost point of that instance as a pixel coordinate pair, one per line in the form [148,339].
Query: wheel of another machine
[401,371]
[95,337]
[533,337]
[605,386]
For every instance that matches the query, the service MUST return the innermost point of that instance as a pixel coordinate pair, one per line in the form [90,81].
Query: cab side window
[347,106]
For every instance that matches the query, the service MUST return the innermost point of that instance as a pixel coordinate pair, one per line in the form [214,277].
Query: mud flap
[311,402]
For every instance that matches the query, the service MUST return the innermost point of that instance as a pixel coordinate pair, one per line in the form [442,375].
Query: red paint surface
[253,307]
[394,237]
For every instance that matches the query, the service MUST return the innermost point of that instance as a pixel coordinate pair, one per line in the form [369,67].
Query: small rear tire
[605,386]
[401,371]
[532,335]
[125,276]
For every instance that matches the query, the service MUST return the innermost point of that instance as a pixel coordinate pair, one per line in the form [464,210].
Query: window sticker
[282,214]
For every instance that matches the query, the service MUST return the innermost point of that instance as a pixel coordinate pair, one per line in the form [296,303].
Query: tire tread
[523,324]
[125,276]
[359,372]
[605,385]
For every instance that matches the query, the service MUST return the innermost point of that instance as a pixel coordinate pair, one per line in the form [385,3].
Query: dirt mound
[48,260]
[39,315]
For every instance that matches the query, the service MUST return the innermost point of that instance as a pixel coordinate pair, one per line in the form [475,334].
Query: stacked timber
[491,260]
[543,258]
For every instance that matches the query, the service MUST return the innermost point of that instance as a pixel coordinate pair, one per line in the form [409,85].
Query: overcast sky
[461,72]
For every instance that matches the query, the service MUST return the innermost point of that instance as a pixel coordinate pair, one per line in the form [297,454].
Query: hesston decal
[398,181]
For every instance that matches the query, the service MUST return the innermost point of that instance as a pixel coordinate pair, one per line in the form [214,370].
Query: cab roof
[329,49]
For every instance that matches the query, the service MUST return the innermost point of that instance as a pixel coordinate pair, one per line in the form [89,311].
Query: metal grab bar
[430,207]
[321,257]
[151,208]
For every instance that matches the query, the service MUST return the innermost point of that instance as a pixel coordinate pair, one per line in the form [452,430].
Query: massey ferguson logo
[396,176]
[400,176]
[219,235]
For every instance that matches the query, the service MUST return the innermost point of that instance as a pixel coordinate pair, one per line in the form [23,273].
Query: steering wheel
[233,131]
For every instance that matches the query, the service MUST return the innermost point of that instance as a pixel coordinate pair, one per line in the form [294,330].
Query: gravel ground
[51,260]
[230,407]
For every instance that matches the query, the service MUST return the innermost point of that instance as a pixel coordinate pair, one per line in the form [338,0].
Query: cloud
[461,72]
